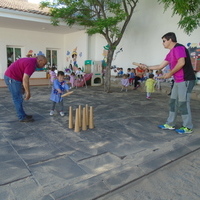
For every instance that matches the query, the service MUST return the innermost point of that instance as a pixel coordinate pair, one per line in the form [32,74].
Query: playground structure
[94,67]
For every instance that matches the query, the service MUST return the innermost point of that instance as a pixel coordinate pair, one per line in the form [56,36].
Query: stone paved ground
[177,181]
[45,160]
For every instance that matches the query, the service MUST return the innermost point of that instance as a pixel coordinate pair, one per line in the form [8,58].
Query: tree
[189,12]
[106,17]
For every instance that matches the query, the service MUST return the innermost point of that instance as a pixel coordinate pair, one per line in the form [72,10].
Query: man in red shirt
[18,75]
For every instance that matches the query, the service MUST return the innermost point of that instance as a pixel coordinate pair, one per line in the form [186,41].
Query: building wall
[75,42]
[141,41]
[29,40]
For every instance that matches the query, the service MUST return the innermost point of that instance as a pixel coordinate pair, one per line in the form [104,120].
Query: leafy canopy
[188,10]
[106,17]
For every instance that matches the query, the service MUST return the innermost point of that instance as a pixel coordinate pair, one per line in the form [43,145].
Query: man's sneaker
[62,113]
[51,112]
[26,119]
[184,130]
[148,97]
[166,127]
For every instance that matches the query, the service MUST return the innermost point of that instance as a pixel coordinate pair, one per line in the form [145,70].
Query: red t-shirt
[20,67]
[139,72]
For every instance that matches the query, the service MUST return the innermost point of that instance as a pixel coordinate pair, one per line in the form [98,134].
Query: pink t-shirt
[172,57]
[20,67]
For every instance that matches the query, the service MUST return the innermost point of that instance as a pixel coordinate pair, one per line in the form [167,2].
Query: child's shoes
[62,114]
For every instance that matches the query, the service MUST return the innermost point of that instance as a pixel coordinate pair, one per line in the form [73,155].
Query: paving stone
[12,167]
[87,193]
[26,189]
[126,175]
[52,173]
[124,145]
[100,163]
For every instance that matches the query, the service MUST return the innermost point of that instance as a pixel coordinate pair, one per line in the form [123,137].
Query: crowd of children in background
[133,77]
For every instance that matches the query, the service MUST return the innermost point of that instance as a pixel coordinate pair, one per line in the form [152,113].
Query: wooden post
[84,127]
[77,127]
[79,115]
[70,125]
[87,114]
[91,118]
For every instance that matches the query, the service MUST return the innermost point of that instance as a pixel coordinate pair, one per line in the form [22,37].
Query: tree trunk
[107,80]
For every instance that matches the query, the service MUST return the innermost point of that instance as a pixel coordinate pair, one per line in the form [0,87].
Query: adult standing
[182,71]
[17,77]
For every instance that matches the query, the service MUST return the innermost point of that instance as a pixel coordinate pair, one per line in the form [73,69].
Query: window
[51,57]
[13,53]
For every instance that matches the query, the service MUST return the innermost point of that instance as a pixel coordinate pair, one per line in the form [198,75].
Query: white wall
[29,40]
[142,40]
[72,41]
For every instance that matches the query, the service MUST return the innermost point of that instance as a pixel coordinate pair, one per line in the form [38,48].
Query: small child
[120,72]
[72,79]
[125,82]
[132,76]
[159,79]
[150,85]
[52,74]
[59,86]
[79,73]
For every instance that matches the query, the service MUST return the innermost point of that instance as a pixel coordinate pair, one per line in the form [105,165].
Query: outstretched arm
[158,67]
[26,86]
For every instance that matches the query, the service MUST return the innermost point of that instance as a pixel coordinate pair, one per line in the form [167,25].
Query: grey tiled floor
[46,160]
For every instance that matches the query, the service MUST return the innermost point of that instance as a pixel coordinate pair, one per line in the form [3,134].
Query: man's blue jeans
[15,88]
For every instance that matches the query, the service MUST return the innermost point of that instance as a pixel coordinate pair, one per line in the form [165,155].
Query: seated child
[131,76]
[79,73]
[120,72]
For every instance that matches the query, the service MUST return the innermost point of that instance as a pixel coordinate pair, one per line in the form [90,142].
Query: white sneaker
[62,113]
[51,112]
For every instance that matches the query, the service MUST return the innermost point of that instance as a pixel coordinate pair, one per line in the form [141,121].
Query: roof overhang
[33,22]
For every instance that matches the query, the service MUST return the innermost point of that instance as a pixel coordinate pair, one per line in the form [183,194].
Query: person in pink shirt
[182,71]
[17,78]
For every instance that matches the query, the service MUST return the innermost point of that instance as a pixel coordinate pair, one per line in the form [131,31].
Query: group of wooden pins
[84,118]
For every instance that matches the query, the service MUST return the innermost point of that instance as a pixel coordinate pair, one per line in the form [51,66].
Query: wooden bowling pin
[84,127]
[70,125]
[91,118]
[77,127]
[87,114]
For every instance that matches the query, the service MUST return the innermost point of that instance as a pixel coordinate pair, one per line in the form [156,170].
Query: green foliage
[106,17]
[188,10]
